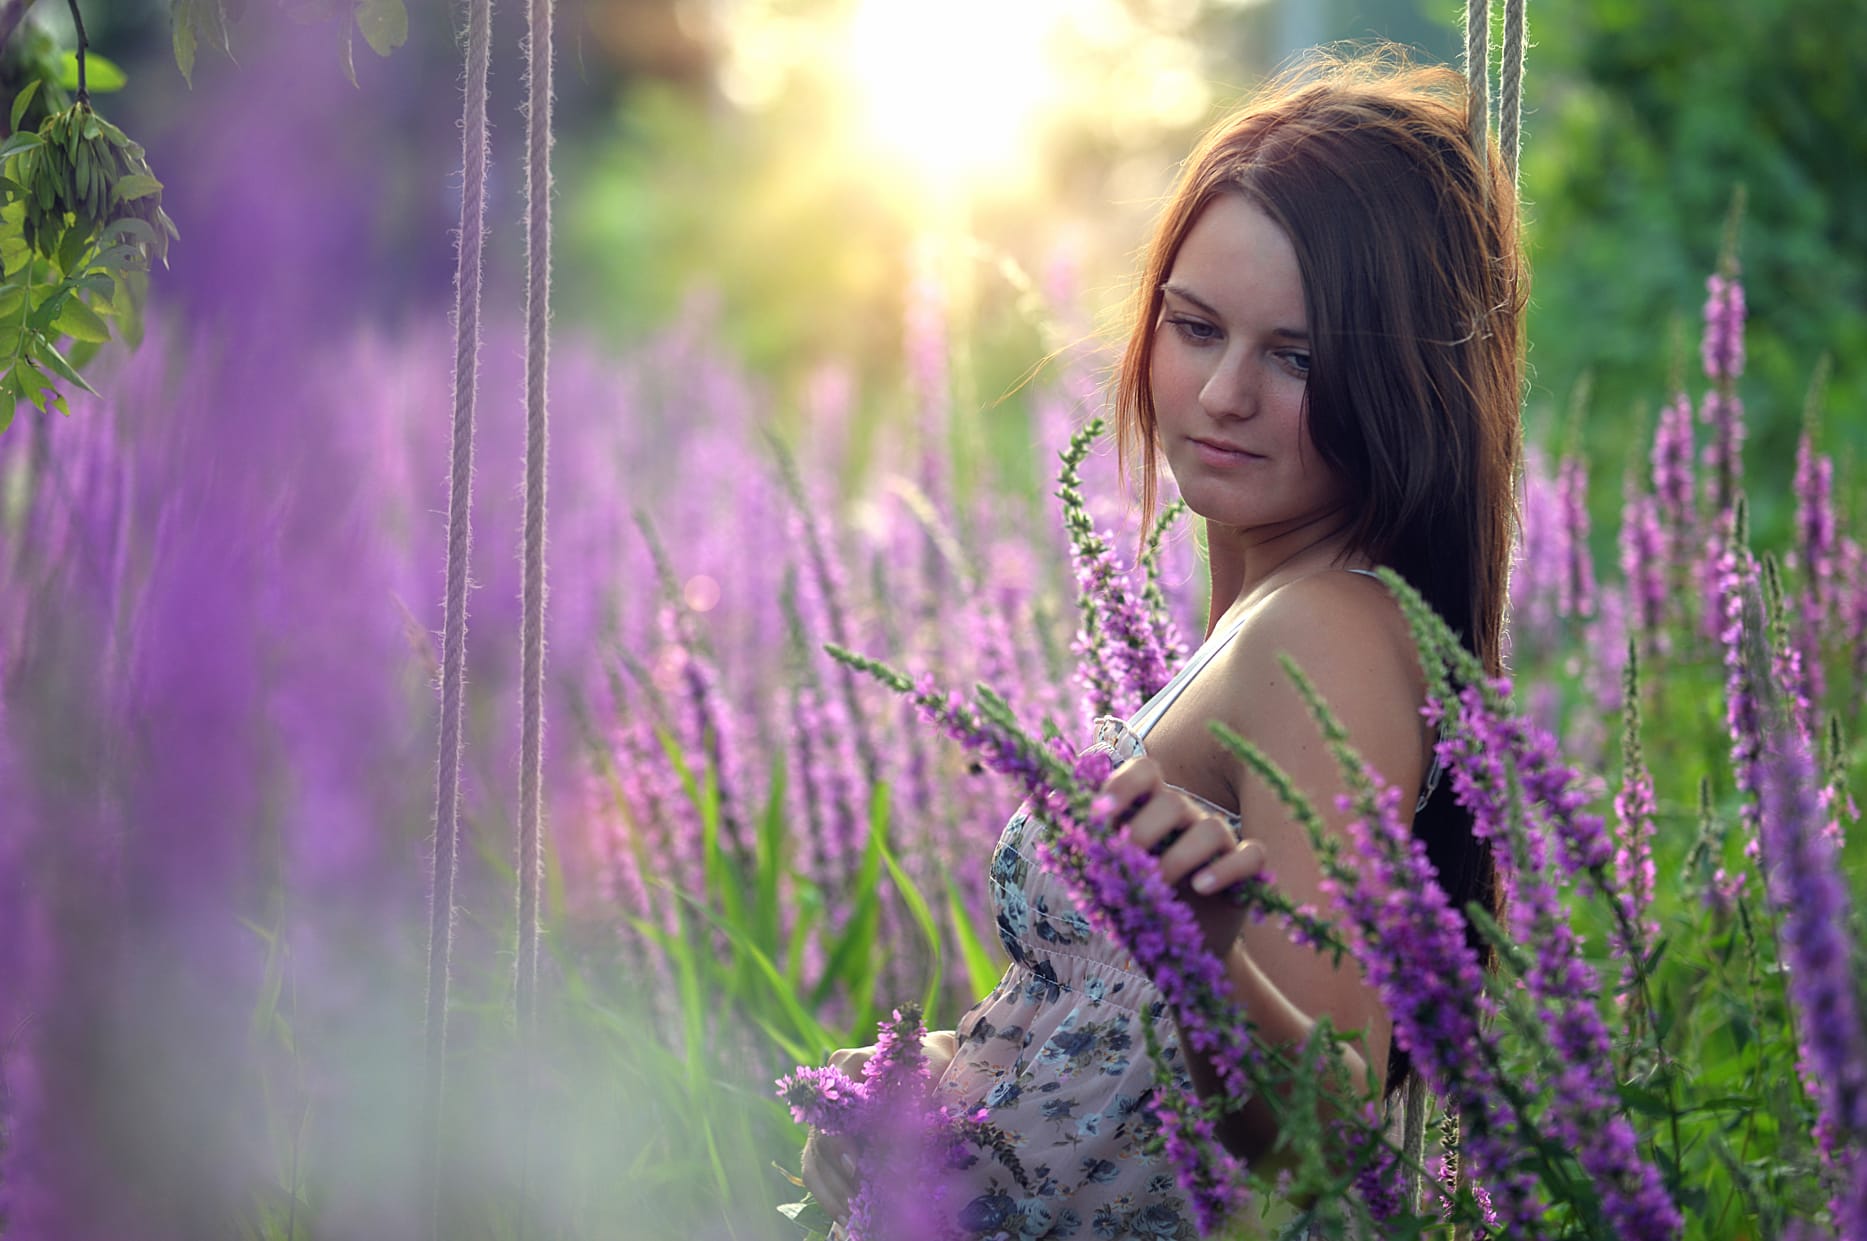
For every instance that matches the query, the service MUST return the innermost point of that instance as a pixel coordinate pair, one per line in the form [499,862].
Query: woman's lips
[1223,454]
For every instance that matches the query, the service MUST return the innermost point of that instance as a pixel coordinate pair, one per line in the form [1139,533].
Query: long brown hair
[1407,242]
[1408,248]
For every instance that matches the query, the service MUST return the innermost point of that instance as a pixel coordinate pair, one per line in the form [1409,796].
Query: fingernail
[849,1165]
[1203,882]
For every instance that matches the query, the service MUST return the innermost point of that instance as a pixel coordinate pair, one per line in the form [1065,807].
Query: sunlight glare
[956,91]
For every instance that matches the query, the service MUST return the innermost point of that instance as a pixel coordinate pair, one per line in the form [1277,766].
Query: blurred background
[795,166]
[897,237]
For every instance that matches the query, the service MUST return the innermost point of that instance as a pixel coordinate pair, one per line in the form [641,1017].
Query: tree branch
[84,46]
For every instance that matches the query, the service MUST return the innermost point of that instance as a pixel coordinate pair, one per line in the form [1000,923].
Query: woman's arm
[1349,638]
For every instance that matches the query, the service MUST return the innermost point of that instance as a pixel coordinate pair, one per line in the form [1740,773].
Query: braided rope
[1510,88]
[1478,72]
[454,633]
[531,633]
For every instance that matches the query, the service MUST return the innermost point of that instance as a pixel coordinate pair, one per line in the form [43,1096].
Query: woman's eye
[1297,362]
[1197,330]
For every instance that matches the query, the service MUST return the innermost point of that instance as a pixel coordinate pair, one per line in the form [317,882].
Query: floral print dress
[1057,1054]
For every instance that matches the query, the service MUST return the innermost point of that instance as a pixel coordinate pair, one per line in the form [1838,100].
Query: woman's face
[1230,376]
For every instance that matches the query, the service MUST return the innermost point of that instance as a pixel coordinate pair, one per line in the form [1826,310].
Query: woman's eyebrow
[1186,295]
[1201,304]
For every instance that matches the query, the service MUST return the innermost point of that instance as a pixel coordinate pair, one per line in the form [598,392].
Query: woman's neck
[1245,567]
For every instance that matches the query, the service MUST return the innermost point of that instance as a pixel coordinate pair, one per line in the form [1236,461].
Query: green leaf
[806,1031]
[181,34]
[807,1215]
[24,140]
[923,919]
[80,322]
[982,974]
[46,352]
[21,101]
[135,185]
[71,247]
[101,76]
[129,228]
[384,24]
[80,355]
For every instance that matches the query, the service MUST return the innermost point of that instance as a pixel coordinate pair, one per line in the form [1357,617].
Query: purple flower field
[220,618]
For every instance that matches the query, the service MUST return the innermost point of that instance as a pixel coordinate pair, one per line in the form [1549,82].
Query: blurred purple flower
[1674,481]
[1575,594]
[1645,569]
[1721,349]
[1807,890]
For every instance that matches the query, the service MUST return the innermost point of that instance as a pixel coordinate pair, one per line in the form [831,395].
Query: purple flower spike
[1411,946]
[1644,570]
[1740,612]
[1722,348]
[1810,897]
[905,1144]
[1487,750]
[1674,478]
[1634,808]
[1576,587]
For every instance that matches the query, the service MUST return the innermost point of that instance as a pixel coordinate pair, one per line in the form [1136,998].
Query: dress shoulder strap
[1149,715]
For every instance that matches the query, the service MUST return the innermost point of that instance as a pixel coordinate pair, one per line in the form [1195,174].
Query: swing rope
[1418,1100]
[454,632]
[1477,72]
[1510,88]
[531,634]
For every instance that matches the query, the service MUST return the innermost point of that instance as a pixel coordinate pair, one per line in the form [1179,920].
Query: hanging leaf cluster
[80,218]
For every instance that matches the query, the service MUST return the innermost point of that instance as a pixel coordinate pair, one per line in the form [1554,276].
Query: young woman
[1327,353]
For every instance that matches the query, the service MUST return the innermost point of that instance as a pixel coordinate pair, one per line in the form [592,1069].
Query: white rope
[1478,72]
[1510,88]
[531,636]
[454,631]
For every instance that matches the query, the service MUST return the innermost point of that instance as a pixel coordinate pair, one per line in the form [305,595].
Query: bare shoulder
[1350,638]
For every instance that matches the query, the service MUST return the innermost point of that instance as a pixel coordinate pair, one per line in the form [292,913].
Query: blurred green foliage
[1645,116]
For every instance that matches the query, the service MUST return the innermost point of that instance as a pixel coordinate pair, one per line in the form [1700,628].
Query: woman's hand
[1198,853]
[829,1160]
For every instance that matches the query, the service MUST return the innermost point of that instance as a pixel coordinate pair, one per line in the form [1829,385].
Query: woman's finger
[1204,840]
[829,1173]
[850,1059]
[1155,824]
[1243,861]
[1131,787]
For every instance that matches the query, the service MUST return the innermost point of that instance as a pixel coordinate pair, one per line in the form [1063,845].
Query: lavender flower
[1122,656]
[1575,595]
[1722,347]
[1539,563]
[1673,476]
[1817,553]
[1806,889]
[1412,949]
[1815,524]
[1634,808]
[1644,570]
[1740,612]
[904,1142]
[1723,412]
[1507,774]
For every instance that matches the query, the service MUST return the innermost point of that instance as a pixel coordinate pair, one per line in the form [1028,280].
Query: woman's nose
[1228,390]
